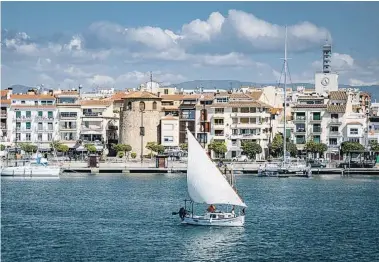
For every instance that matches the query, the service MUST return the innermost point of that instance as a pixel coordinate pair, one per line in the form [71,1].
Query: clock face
[325,81]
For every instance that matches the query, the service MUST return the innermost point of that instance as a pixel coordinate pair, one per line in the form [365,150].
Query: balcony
[43,130]
[3,114]
[300,141]
[22,129]
[335,121]
[44,118]
[3,127]
[335,133]
[68,116]
[73,127]
[334,146]
[300,131]
[315,120]
[316,130]
[300,119]
[23,118]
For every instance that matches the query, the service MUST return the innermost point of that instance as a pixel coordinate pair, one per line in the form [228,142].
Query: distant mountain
[20,88]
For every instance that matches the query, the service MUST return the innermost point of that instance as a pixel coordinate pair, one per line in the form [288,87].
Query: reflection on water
[128,218]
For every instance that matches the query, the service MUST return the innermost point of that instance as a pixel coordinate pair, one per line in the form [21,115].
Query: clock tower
[326,81]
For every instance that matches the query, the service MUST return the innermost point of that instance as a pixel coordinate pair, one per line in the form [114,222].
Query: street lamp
[142,128]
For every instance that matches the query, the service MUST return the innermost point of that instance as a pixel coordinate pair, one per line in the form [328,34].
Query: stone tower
[139,121]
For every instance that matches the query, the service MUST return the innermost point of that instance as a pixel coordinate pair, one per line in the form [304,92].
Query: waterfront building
[171,103]
[69,116]
[6,120]
[34,119]
[187,117]
[169,131]
[98,123]
[139,121]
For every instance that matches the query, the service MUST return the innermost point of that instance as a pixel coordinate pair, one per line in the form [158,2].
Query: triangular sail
[205,182]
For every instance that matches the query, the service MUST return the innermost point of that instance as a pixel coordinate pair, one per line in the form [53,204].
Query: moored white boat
[31,171]
[206,184]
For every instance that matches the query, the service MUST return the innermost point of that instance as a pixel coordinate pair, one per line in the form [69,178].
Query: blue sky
[115,44]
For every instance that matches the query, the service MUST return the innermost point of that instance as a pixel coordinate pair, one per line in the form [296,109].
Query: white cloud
[339,63]
[100,80]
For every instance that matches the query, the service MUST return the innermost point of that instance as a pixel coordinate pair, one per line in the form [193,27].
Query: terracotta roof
[256,95]
[170,108]
[169,117]
[141,94]
[32,97]
[95,102]
[191,97]
[6,102]
[172,97]
[34,106]
[364,94]
[4,92]
[118,96]
[67,92]
[275,110]
[309,106]
[354,123]
[336,108]
[338,95]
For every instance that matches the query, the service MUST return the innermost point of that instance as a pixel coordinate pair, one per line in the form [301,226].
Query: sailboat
[207,185]
[286,166]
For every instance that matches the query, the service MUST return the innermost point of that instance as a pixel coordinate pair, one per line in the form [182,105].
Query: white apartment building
[99,124]
[33,119]
[5,121]
[69,116]
[236,118]
[170,131]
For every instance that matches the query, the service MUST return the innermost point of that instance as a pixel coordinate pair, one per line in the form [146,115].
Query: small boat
[207,185]
[37,168]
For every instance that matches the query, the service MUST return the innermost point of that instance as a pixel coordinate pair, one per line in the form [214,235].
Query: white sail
[205,182]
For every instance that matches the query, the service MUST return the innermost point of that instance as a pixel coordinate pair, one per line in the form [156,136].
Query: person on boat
[211,209]
[233,213]
[182,213]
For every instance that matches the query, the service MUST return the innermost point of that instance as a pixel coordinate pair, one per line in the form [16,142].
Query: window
[50,114]
[245,110]
[317,116]
[39,126]
[253,109]
[50,126]
[40,113]
[334,129]
[300,116]
[28,137]
[165,91]
[332,141]
[130,106]
[316,139]
[28,125]
[154,105]
[234,153]
[219,121]
[203,115]
[234,142]
[244,120]
[49,137]
[22,102]
[68,114]
[353,131]
[18,136]
[39,137]
[235,110]
[300,140]
[334,116]
[219,132]
[28,114]
[235,132]
[18,125]
[222,99]
[355,140]
[219,110]
[300,127]
[43,103]
[316,128]
[253,120]
[141,106]
[235,120]
[168,139]
[168,127]
[18,114]
[36,103]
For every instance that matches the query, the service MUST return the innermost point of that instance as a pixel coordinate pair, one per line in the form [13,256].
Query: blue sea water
[128,218]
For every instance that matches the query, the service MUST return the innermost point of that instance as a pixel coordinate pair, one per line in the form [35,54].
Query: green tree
[28,147]
[120,154]
[292,149]
[133,155]
[184,146]
[219,147]
[321,148]
[63,148]
[251,149]
[2,147]
[91,148]
[374,146]
[155,147]
[122,148]
[276,148]
[347,147]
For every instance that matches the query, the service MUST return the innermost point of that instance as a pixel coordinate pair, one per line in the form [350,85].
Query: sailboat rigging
[207,185]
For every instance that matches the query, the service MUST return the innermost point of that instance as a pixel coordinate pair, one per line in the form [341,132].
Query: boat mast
[285,100]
